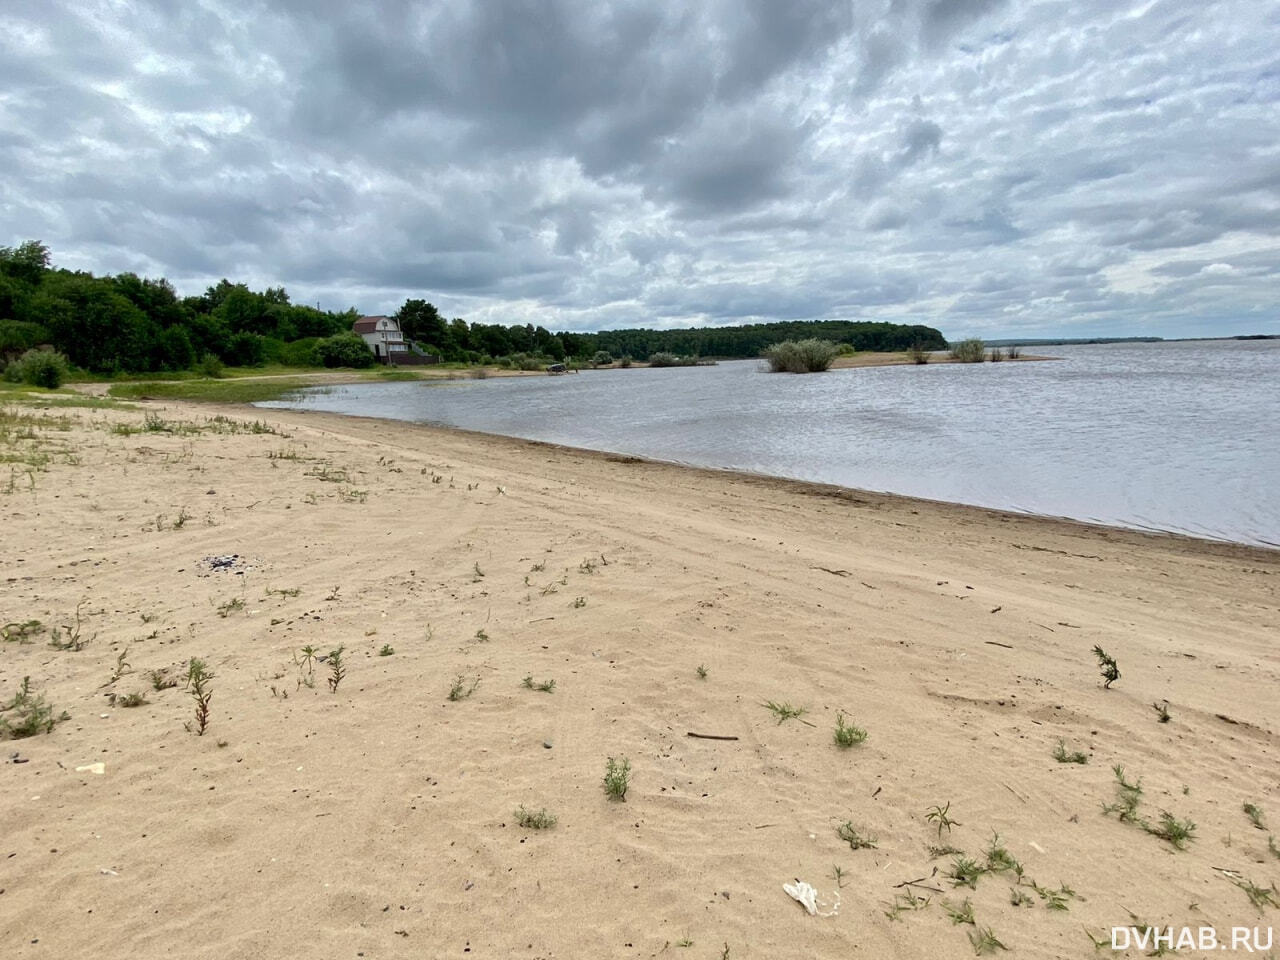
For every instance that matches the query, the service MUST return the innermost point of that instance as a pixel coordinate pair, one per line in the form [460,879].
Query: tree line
[130,324]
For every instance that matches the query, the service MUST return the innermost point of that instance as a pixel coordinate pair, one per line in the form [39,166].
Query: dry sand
[378,821]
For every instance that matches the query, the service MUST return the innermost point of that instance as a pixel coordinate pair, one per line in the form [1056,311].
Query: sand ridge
[379,820]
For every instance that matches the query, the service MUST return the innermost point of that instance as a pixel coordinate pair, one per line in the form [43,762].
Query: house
[384,338]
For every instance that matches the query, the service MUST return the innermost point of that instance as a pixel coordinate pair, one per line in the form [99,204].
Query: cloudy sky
[990,167]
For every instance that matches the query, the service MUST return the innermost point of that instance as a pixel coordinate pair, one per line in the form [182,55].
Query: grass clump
[965,872]
[784,711]
[702,672]
[27,714]
[617,778]
[1170,828]
[1258,896]
[38,368]
[1254,813]
[545,686]
[134,699]
[848,735]
[856,841]
[1162,711]
[1129,798]
[1062,756]
[960,914]
[386,650]
[541,819]
[801,356]
[984,941]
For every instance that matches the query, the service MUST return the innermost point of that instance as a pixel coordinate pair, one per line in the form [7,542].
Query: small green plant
[459,690]
[1260,897]
[1177,832]
[28,714]
[945,850]
[337,669]
[684,942]
[940,816]
[965,872]
[1054,899]
[917,353]
[1107,664]
[545,686]
[784,711]
[963,913]
[848,735]
[999,859]
[198,678]
[233,605]
[984,941]
[617,778]
[1162,711]
[74,639]
[535,820]
[856,841]
[161,680]
[1128,798]
[702,672]
[903,902]
[1060,754]
[1019,898]
[478,573]
[134,699]
[386,650]
[579,602]
[1254,813]
[837,874]
[482,636]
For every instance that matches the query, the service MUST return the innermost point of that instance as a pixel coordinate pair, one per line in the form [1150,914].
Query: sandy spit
[379,820]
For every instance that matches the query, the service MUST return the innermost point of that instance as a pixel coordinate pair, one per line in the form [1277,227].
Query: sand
[379,820]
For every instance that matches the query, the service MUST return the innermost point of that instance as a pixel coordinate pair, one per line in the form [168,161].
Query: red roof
[367,324]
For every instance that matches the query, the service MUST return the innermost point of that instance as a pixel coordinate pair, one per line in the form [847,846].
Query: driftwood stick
[709,736]
[997,643]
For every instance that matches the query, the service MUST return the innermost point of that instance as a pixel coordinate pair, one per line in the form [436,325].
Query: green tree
[420,320]
[29,261]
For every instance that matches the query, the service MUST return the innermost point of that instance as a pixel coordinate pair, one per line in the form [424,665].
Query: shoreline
[381,813]
[857,495]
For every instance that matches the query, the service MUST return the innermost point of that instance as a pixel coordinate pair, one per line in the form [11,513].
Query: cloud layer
[987,167]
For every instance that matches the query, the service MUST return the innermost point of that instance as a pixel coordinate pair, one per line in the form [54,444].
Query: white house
[384,338]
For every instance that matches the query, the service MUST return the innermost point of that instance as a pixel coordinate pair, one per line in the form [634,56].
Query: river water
[1181,437]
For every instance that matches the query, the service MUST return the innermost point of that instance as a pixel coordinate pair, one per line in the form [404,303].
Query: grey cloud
[571,163]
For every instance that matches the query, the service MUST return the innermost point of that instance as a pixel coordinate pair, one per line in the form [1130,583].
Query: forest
[125,324]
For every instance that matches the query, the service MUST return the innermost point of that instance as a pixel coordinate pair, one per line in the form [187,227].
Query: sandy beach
[379,819]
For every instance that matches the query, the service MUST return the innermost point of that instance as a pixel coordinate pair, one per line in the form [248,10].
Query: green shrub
[210,366]
[664,359]
[602,358]
[801,356]
[301,353]
[917,353]
[625,362]
[40,368]
[972,350]
[344,350]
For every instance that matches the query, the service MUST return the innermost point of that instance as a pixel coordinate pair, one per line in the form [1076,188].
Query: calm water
[1172,436]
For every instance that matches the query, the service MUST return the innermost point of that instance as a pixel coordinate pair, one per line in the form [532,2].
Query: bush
[524,361]
[602,358]
[344,350]
[801,356]
[664,359]
[968,351]
[40,368]
[625,362]
[246,349]
[917,353]
[210,366]
[301,353]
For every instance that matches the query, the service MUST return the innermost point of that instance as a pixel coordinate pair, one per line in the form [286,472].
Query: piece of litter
[1035,846]
[805,895]
[107,873]
[98,768]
